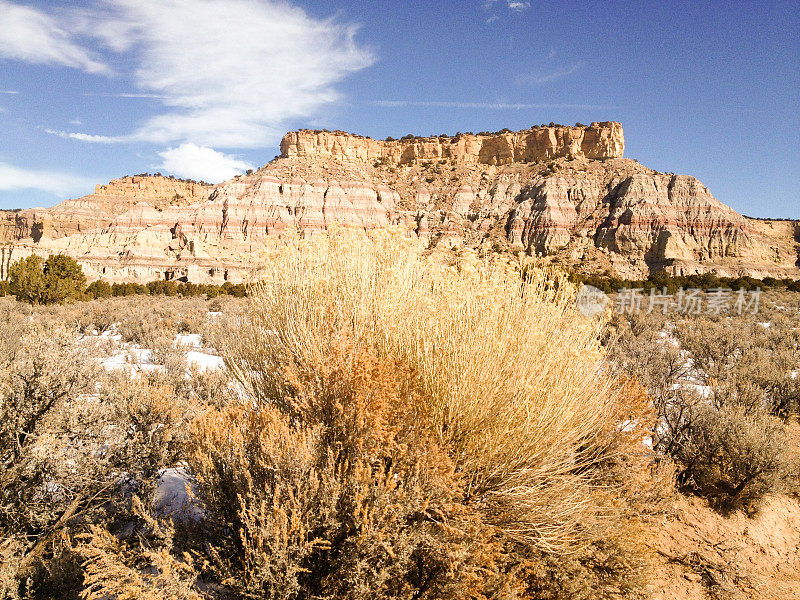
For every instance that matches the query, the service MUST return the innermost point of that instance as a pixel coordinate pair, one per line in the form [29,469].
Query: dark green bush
[99,289]
[660,280]
[128,289]
[39,281]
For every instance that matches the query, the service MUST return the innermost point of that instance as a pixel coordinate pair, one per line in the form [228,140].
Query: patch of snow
[662,429]
[704,391]
[189,339]
[133,357]
[117,361]
[203,362]
[117,355]
[174,496]
[667,338]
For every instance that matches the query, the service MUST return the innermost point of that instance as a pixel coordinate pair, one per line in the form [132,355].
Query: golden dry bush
[343,496]
[110,570]
[510,374]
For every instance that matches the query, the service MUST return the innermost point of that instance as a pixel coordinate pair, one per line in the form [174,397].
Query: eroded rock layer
[597,141]
[561,192]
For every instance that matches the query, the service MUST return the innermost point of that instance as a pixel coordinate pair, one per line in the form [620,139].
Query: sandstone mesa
[565,193]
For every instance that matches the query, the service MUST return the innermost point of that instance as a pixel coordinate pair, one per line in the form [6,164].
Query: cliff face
[543,191]
[641,222]
[597,141]
[95,211]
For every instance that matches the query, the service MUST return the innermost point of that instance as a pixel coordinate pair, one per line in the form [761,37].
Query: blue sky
[90,91]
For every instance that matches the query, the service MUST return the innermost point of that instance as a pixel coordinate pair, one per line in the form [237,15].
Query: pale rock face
[560,192]
[422,195]
[387,197]
[463,200]
[94,212]
[544,217]
[673,217]
[597,141]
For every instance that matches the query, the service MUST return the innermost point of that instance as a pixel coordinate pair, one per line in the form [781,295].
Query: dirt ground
[701,554]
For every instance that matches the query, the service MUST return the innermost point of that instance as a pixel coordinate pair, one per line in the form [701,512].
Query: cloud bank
[229,73]
[33,36]
[196,162]
[61,184]
[224,73]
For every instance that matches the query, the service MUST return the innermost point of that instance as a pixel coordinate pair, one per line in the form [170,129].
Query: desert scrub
[747,361]
[402,425]
[509,383]
[510,372]
[74,444]
[732,456]
[717,387]
[142,318]
[343,495]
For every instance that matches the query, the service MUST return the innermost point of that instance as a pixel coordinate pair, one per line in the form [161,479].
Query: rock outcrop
[563,193]
[96,210]
[597,141]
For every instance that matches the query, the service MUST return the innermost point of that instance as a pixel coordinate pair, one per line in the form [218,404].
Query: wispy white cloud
[256,65]
[86,137]
[514,5]
[481,105]
[54,182]
[492,19]
[228,73]
[9,92]
[541,78]
[196,162]
[33,36]
[129,95]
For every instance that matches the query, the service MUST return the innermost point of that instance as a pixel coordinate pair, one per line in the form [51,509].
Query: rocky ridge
[564,193]
[597,141]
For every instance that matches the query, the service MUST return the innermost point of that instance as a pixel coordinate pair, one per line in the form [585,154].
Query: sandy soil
[701,554]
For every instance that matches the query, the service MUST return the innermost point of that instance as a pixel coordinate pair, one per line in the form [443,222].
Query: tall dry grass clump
[347,499]
[510,374]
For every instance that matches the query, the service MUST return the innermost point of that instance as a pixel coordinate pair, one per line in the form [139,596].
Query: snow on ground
[703,391]
[667,338]
[204,362]
[114,354]
[189,339]
[174,496]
